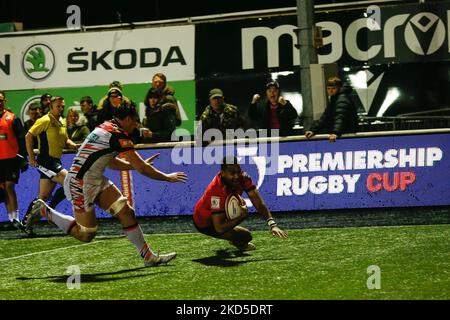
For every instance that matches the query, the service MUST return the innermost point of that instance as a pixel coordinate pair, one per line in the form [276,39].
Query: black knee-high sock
[57,198]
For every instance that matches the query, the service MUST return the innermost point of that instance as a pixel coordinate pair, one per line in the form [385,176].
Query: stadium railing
[163,145]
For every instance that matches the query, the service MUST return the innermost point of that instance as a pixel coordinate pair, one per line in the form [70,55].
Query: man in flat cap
[220,115]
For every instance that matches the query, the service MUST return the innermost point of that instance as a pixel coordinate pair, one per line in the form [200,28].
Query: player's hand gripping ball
[235,207]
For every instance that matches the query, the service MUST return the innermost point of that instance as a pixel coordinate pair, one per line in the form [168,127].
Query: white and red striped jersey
[104,143]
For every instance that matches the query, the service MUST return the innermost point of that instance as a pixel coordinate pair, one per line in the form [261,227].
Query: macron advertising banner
[396,171]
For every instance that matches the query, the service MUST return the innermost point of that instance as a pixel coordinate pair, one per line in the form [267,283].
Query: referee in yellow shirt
[51,133]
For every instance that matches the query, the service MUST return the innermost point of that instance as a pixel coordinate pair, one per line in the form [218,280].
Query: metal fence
[370,124]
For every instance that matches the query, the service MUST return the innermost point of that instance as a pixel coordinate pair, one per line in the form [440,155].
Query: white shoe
[157,259]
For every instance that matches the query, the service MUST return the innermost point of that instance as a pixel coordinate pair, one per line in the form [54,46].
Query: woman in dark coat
[160,118]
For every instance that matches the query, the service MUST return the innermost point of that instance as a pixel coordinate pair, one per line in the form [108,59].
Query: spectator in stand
[90,111]
[160,118]
[340,115]
[33,114]
[114,84]
[275,113]
[76,126]
[46,100]
[166,93]
[220,115]
[114,100]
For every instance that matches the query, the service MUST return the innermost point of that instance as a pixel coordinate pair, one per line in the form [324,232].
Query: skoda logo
[425,33]
[38,62]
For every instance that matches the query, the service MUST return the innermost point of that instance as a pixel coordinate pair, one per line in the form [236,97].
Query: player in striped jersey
[85,184]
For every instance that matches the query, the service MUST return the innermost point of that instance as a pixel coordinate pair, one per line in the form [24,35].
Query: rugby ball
[234,206]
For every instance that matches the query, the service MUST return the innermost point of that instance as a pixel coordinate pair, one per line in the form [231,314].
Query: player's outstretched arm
[153,157]
[119,164]
[261,207]
[277,232]
[122,165]
[144,168]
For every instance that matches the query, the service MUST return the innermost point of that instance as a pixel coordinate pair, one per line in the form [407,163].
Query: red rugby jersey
[213,200]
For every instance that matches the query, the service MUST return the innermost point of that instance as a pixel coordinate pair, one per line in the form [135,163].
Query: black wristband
[271,223]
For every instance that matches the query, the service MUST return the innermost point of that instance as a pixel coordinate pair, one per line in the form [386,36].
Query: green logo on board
[38,62]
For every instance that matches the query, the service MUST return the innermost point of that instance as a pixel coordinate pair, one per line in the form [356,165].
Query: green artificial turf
[311,264]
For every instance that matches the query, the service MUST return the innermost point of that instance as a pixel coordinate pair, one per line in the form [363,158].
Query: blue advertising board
[390,171]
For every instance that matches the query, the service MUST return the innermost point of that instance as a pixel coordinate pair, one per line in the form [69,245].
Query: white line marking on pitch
[45,251]
[52,250]
[74,246]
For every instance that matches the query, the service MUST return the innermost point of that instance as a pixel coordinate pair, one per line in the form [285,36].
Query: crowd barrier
[364,170]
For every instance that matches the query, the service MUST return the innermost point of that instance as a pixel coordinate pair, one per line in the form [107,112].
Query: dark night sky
[50,14]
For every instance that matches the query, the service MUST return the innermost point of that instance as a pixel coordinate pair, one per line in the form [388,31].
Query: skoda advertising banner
[76,64]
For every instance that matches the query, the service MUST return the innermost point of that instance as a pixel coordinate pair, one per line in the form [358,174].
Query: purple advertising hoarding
[390,171]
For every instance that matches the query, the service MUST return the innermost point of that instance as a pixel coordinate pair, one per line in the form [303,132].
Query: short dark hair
[54,100]
[125,110]
[57,98]
[228,160]
[3,93]
[34,106]
[160,75]
[45,95]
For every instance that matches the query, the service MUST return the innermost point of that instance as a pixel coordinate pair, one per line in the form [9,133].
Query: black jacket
[286,116]
[340,115]
[167,95]
[92,118]
[106,113]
